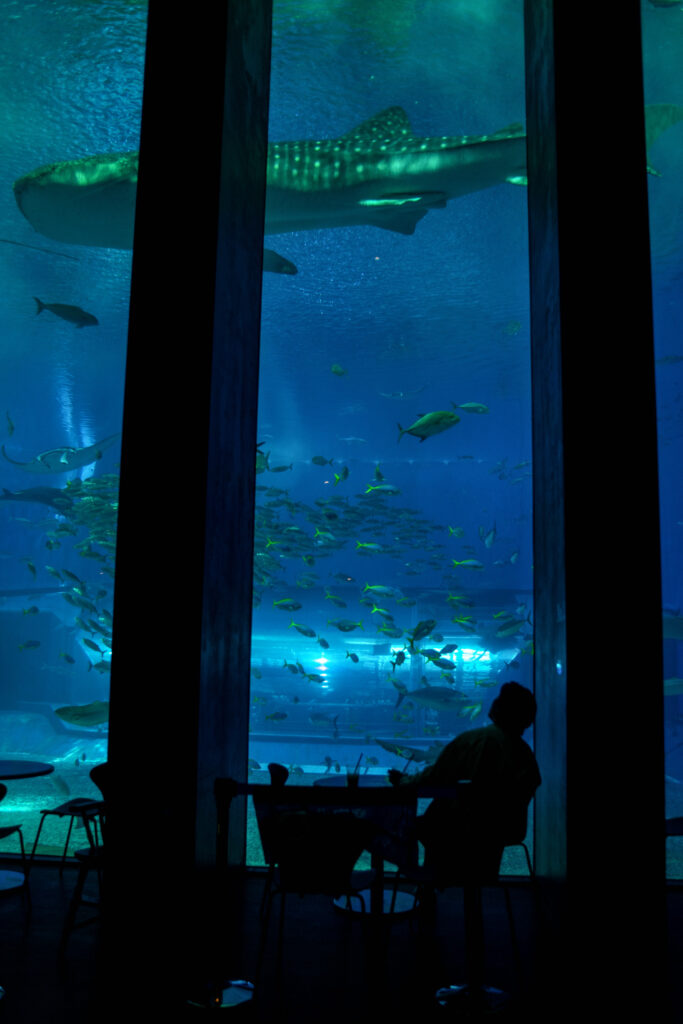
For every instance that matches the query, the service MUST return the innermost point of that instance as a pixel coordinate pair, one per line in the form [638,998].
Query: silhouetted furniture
[90,858]
[82,809]
[474,997]
[311,839]
[393,839]
[19,769]
[11,830]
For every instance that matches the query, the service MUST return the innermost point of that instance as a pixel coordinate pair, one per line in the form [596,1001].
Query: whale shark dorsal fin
[390,128]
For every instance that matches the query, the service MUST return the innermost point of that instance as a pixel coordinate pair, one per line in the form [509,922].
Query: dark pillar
[599,676]
[182,613]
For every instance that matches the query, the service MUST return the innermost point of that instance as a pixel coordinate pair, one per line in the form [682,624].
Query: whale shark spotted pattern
[379,174]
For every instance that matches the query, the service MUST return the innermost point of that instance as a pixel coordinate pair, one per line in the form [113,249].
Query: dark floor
[333,969]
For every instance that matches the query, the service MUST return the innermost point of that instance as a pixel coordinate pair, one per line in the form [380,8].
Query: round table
[16,768]
[382,900]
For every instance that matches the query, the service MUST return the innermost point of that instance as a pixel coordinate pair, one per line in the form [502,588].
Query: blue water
[414,322]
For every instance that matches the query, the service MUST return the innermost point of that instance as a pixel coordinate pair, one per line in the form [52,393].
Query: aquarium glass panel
[393,557]
[662,25]
[71,91]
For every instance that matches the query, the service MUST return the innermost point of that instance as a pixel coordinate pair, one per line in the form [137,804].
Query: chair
[89,858]
[474,995]
[9,830]
[82,809]
[311,840]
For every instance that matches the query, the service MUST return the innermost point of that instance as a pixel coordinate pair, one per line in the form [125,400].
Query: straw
[355,770]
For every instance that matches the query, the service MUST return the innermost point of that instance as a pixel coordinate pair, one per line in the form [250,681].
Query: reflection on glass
[66,211]
[393,556]
[662,37]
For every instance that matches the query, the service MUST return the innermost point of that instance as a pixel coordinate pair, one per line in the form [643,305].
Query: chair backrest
[99,775]
[309,832]
[314,847]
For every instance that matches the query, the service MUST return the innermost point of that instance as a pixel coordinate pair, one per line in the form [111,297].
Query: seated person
[464,837]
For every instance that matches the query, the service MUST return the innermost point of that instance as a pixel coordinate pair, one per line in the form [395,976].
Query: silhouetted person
[464,838]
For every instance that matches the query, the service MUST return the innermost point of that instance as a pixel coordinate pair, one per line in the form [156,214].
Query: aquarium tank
[393,569]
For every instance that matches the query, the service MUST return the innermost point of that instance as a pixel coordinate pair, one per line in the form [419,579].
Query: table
[393,843]
[16,768]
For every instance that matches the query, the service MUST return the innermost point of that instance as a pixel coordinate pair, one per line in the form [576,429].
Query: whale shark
[62,460]
[380,174]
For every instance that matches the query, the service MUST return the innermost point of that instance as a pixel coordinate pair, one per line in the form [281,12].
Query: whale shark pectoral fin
[401,211]
[277,264]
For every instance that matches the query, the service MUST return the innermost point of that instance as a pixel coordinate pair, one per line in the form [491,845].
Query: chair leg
[74,904]
[513,936]
[35,844]
[66,845]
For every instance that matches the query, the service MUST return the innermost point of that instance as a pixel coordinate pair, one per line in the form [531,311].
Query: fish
[277,264]
[468,563]
[476,407]
[423,629]
[318,718]
[292,668]
[338,370]
[281,469]
[343,475]
[51,496]
[33,610]
[412,753]
[288,605]
[29,645]
[62,460]
[323,643]
[439,698]
[382,488]
[354,657]
[429,424]
[382,590]
[72,314]
[304,630]
[443,663]
[276,716]
[320,460]
[398,660]
[10,425]
[85,715]
[379,174]
[345,625]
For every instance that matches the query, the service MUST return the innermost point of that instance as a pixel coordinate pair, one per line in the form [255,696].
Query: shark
[62,460]
[379,173]
[52,496]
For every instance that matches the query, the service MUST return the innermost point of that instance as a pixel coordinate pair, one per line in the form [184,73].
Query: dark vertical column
[597,558]
[182,609]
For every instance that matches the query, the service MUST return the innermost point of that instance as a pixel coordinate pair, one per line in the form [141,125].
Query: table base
[473,1002]
[403,902]
[11,880]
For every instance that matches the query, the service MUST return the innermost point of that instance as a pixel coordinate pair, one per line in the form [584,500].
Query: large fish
[61,460]
[379,173]
[439,698]
[85,715]
[52,496]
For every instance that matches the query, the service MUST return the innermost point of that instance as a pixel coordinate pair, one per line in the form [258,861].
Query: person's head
[514,709]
